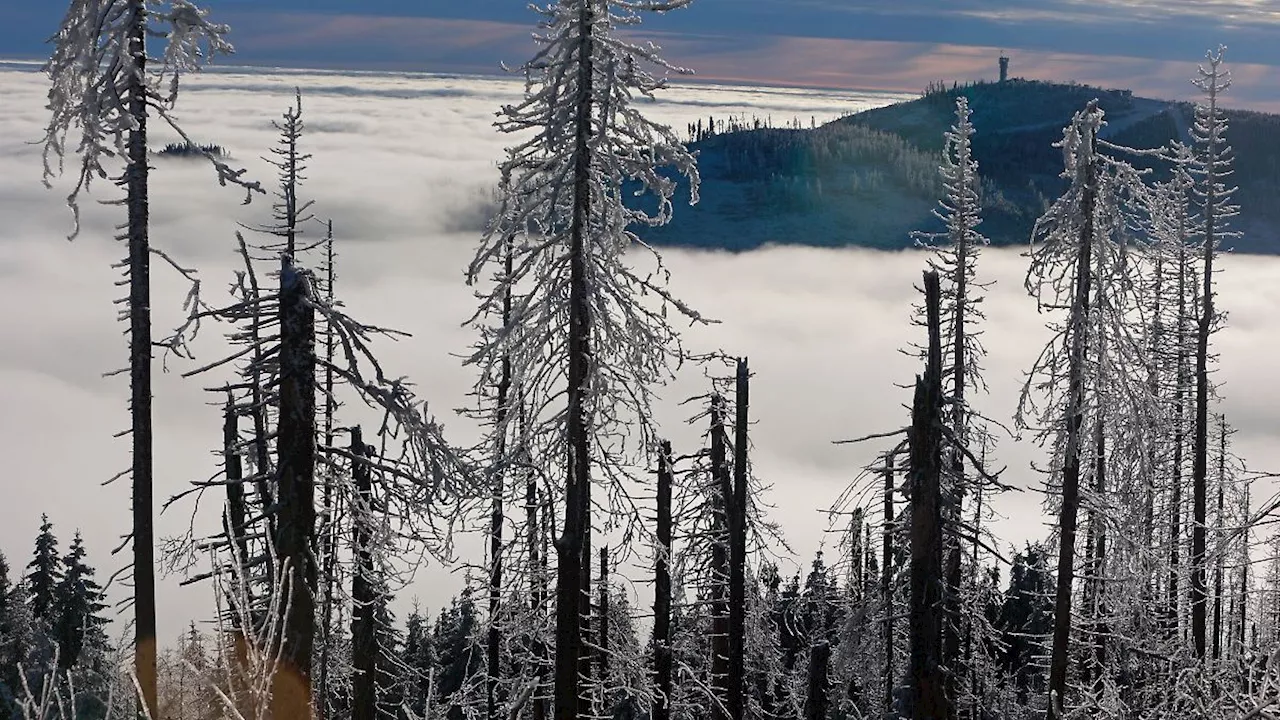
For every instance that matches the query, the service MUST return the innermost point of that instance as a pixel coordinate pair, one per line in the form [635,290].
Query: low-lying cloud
[404,177]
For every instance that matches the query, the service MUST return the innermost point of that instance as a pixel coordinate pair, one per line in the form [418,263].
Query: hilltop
[870,178]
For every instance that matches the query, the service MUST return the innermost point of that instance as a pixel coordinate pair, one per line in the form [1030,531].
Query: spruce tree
[44,572]
[78,622]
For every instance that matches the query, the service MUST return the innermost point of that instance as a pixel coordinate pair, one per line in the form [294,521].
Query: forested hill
[869,179]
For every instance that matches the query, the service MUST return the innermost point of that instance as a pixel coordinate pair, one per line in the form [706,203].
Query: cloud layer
[401,163]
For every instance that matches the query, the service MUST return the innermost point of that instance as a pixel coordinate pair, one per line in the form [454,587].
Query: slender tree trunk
[569,547]
[1101,630]
[328,535]
[662,660]
[738,548]
[241,589]
[722,497]
[1179,441]
[886,582]
[928,672]
[1220,556]
[959,427]
[1200,450]
[815,706]
[496,519]
[364,641]
[537,589]
[136,179]
[237,512]
[603,632]
[1058,659]
[296,517]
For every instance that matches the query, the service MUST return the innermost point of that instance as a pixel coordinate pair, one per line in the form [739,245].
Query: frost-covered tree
[104,86]
[581,332]
[79,624]
[956,252]
[44,573]
[1211,168]
[1080,264]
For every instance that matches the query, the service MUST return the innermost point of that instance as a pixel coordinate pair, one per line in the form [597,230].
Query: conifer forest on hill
[622,574]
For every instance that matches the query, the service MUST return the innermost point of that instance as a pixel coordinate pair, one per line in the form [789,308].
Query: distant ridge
[869,179]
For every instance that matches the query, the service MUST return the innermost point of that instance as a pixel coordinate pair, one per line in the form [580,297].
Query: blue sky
[1149,45]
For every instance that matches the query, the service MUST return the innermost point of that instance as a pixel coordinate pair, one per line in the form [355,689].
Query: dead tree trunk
[721,497]
[603,632]
[1220,556]
[928,673]
[1067,518]
[662,660]
[296,516]
[738,548]
[815,704]
[570,601]
[364,640]
[329,533]
[136,189]
[496,519]
[886,579]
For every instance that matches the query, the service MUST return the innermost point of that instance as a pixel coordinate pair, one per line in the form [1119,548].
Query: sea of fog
[404,165]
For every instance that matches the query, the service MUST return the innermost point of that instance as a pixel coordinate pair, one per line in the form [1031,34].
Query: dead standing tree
[929,700]
[101,86]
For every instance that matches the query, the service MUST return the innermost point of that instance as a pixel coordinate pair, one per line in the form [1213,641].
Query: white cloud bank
[401,163]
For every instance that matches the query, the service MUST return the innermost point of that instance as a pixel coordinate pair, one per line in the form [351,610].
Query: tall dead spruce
[583,347]
[103,88]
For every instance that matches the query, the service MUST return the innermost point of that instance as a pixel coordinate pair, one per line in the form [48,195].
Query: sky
[823,328]
[1150,46]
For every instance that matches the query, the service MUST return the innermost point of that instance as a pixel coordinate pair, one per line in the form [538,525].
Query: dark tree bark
[815,704]
[496,519]
[603,632]
[1200,450]
[577,520]
[1067,518]
[959,428]
[738,548]
[329,533]
[296,516]
[662,664]
[364,639]
[537,590]
[928,673]
[237,513]
[1221,555]
[1179,443]
[886,579]
[1101,631]
[140,431]
[721,497]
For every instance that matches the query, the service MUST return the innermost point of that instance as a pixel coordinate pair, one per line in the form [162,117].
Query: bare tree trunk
[1071,463]
[722,497]
[1101,631]
[234,524]
[738,548]
[1179,443]
[537,590]
[815,705]
[569,547]
[496,519]
[1221,554]
[1200,440]
[136,178]
[364,640]
[928,673]
[959,427]
[296,515]
[886,581]
[603,632]
[328,535]
[662,660]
